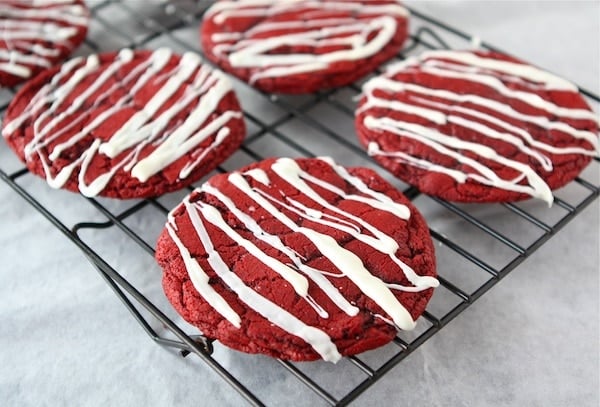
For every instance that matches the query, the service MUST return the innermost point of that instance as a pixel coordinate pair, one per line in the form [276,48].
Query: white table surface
[532,340]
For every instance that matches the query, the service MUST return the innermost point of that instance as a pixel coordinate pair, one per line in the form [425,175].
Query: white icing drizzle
[318,29]
[527,72]
[385,83]
[485,71]
[20,28]
[298,282]
[259,175]
[318,339]
[380,201]
[358,273]
[349,264]
[52,120]
[275,242]
[437,68]
[200,279]
[448,145]
[289,170]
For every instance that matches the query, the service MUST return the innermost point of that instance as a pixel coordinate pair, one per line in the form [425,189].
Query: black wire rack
[475,248]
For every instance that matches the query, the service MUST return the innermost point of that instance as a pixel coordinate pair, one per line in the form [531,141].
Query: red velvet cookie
[477,126]
[298,259]
[36,34]
[302,46]
[130,124]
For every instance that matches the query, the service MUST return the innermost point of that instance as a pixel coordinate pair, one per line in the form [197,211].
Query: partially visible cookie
[298,259]
[126,124]
[477,126]
[36,34]
[302,46]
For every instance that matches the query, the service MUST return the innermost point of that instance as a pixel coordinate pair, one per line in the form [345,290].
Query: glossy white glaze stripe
[439,117]
[259,175]
[531,99]
[372,286]
[355,270]
[527,72]
[256,56]
[40,99]
[13,57]
[374,149]
[319,32]
[208,87]
[73,14]
[14,69]
[122,139]
[384,83]
[509,138]
[289,170]
[441,113]
[358,273]
[310,38]
[316,338]
[32,30]
[502,76]
[297,281]
[18,28]
[390,205]
[340,224]
[200,280]
[526,97]
[440,142]
[224,10]
[100,182]
[148,69]
[38,49]
[151,129]
[186,136]
[57,95]
[254,53]
[509,127]
[274,26]
[219,138]
[311,213]
[275,242]
[123,58]
[379,201]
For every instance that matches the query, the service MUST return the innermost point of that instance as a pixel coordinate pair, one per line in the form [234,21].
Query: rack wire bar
[428,33]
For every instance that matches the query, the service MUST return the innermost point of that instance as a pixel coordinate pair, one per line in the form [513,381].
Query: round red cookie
[298,259]
[302,46]
[128,124]
[477,126]
[36,34]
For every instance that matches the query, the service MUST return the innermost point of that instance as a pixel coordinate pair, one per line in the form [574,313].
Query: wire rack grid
[474,246]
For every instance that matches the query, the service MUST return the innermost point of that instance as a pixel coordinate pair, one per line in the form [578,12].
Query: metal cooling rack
[475,249]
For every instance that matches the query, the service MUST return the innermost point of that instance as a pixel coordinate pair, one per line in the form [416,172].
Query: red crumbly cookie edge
[124,186]
[9,80]
[344,73]
[443,186]
[361,333]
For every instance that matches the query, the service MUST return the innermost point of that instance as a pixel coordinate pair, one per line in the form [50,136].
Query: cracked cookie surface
[298,259]
[477,126]
[302,46]
[35,35]
[129,124]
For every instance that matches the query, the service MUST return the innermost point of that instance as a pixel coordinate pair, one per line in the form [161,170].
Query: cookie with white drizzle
[298,259]
[126,124]
[302,46]
[477,126]
[36,34]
